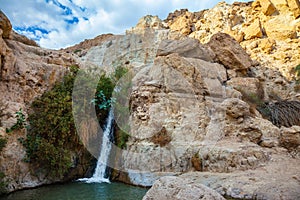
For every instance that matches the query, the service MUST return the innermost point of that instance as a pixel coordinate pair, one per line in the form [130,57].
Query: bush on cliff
[51,136]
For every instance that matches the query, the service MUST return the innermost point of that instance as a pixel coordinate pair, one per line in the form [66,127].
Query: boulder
[230,53]
[189,48]
[253,31]
[279,28]
[266,6]
[290,138]
[247,86]
[294,6]
[281,5]
[171,187]
[183,24]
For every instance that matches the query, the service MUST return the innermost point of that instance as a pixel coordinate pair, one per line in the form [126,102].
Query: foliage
[196,162]
[120,72]
[121,138]
[77,51]
[102,98]
[121,106]
[51,134]
[3,183]
[3,142]
[20,124]
[297,72]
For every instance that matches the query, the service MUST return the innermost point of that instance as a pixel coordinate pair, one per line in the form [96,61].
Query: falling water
[100,174]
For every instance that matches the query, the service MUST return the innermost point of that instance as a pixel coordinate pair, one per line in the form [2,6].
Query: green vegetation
[121,138]
[3,142]
[51,136]
[103,98]
[77,51]
[297,74]
[20,124]
[3,183]
[121,105]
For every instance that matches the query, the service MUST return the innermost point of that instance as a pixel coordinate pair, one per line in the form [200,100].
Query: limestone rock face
[26,72]
[251,24]
[5,26]
[180,189]
[278,29]
[189,48]
[266,6]
[252,184]
[187,109]
[194,83]
[147,22]
[294,6]
[253,31]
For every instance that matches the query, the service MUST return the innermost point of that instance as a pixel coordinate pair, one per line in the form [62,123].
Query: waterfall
[100,174]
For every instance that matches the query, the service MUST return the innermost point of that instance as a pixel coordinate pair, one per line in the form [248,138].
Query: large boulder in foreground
[176,188]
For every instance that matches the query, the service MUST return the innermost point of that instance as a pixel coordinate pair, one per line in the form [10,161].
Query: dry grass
[162,138]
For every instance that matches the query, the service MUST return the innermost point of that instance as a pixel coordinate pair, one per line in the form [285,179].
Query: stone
[232,156]
[290,137]
[183,24]
[277,28]
[247,86]
[267,6]
[261,183]
[171,187]
[189,48]
[235,107]
[281,5]
[146,23]
[267,45]
[294,6]
[23,39]
[5,25]
[253,31]
[230,53]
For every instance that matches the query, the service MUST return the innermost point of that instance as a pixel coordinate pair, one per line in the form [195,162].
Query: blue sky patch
[74,20]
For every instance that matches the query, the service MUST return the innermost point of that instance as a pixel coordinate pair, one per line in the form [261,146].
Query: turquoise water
[80,191]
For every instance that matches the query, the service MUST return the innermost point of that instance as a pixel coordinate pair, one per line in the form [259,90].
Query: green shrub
[3,183]
[3,142]
[297,72]
[20,124]
[51,135]
[121,138]
[103,98]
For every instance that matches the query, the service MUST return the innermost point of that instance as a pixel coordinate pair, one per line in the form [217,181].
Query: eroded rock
[177,188]
[230,53]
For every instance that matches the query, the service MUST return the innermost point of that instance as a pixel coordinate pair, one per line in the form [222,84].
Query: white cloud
[60,23]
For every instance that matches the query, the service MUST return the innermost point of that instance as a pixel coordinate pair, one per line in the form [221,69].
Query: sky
[56,24]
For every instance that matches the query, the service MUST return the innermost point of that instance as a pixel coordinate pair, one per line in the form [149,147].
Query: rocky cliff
[211,96]
[202,96]
[26,72]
